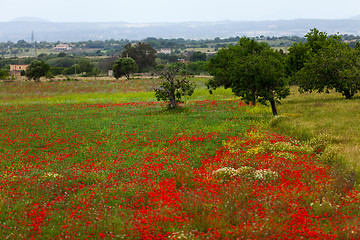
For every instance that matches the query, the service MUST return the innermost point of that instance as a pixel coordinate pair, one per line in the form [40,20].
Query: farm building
[15,70]
[62,47]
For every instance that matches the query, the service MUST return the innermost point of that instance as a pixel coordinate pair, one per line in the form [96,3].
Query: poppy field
[78,161]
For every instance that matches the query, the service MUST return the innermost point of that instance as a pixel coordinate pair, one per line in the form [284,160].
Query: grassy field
[327,116]
[104,160]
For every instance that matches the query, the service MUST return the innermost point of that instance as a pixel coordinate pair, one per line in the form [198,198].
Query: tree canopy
[143,54]
[37,69]
[175,84]
[95,72]
[3,74]
[323,63]
[86,66]
[124,67]
[252,70]
[198,56]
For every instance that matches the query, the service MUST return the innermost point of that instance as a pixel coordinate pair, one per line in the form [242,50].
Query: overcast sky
[144,11]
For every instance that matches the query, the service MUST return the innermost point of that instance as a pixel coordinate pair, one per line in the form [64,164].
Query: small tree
[95,72]
[198,56]
[124,67]
[36,70]
[175,84]
[71,70]
[85,66]
[3,74]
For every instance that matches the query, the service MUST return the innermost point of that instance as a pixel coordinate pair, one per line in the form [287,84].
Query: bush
[197,68]
[4,74]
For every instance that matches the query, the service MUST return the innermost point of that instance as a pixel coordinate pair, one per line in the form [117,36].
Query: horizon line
[40,20]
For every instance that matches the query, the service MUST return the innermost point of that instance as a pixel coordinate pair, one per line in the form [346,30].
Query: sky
[150,11]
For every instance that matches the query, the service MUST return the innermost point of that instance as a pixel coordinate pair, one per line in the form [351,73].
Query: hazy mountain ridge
[71,32]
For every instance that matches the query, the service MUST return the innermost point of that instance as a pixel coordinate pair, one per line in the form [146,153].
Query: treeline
[146,57]
[115,47]
[316,62]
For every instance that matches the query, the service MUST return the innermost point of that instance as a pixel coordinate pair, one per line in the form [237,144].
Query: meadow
[326,116]
[105,160]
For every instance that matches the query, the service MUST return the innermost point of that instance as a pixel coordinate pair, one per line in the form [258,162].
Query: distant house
[15,70]
[183,60]
[62,47]
[165,51]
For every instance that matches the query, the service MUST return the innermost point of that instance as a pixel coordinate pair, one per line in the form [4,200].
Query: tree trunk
[172,102]
[273,107]
[347,94]
[172,99]
[254,101]
[253,98]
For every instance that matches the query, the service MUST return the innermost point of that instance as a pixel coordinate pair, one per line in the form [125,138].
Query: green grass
[90,159]
[303,115]
[101,91]
[328,116]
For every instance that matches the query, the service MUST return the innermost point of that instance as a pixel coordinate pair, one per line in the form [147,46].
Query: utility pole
[33,40]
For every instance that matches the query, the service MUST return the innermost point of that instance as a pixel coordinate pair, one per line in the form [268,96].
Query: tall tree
[268,71]
[324,63]
[143,54]
[252,70]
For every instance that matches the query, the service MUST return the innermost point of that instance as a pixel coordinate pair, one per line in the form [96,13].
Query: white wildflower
[265,175]
[51,175]
[225,173]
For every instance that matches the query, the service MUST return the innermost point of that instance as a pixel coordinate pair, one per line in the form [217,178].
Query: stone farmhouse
[15,70]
